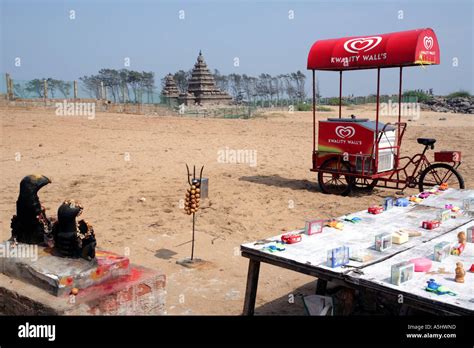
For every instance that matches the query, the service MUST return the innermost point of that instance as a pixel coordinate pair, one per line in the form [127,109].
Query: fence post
[45,89]
[75,89]
[7,82]
[12,93]
[102,90]
[9,86]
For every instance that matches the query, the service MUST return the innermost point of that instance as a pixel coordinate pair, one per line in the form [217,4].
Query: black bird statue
[71,238]
[30,225]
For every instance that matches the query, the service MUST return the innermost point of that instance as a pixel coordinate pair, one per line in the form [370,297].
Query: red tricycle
[355,152]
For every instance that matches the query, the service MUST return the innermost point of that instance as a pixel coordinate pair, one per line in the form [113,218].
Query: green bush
[323,108]
[335,101]
[420,95]
[309,107]
[304,107]
[461,93]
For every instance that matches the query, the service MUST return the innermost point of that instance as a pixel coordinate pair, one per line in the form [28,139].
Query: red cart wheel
[335,183]
[439,173]
[365,184]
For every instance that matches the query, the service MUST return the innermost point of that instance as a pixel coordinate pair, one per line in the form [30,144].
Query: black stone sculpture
[30,225]
[71,238]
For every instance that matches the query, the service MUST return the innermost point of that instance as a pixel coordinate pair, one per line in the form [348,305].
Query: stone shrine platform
[34,281]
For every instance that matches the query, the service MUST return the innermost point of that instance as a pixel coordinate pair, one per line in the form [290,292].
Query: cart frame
[425,174]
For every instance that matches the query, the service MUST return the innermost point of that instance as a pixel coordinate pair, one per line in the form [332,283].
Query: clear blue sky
[260,34]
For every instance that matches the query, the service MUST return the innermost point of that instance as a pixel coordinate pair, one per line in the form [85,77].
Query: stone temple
[202,88]
[170,90]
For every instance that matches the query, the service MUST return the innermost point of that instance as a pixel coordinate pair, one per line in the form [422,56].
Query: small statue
[460,272]
[30,225]
[71,238]
[459,248]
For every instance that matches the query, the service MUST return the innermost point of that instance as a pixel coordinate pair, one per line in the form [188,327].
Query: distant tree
[290,89]
[36,86]
[249,86]
[181,78]
[64,88]
[52,86]
[134,80]
[277,85]
[235,85]
[19,90]
[147,83]
[262,89]
[112,82]
[299,79]
[91,85]
[123,76]
[222,81]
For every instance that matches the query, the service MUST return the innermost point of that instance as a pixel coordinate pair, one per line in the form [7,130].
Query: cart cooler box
[357,138]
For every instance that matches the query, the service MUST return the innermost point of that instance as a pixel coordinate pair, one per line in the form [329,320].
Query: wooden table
[309,255]
[450,196]
[377,278]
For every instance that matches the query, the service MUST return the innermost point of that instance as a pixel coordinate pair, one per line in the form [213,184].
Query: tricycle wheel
[439,173]
[365,184]
[335,183]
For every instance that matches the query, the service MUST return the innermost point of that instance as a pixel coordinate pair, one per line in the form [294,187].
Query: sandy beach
[129,173]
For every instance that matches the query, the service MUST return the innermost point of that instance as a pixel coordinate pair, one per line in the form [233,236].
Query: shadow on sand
[361,304]
[284,306]
[295,184]
[278,181]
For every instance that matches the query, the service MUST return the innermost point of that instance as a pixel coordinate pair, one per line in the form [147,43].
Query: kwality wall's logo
[361,48]
[362,44]
[345,132]
[428,42]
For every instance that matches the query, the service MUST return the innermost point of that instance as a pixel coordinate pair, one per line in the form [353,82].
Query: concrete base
[39,266]
[142,292]
[37,282]
[195,263]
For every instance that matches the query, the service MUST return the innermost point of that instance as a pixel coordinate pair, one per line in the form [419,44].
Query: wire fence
[31,89]
[367,100]
[222,112]
[3,84]
[60,89]
[122,94]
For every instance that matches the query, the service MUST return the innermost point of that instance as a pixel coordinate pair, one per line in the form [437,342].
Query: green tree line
[244,87]
[56,88]
[121,85]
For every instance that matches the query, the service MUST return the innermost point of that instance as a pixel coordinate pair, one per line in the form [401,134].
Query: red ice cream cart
[355,152]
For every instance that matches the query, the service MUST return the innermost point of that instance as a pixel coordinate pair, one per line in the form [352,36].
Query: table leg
[321,286]
[251,290]
[404,310]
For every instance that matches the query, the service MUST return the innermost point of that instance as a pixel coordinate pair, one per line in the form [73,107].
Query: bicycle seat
[426,141]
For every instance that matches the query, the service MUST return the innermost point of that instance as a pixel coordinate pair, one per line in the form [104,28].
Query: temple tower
[170,90]
[202,87]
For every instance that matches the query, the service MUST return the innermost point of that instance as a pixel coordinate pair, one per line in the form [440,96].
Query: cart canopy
[404,48]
